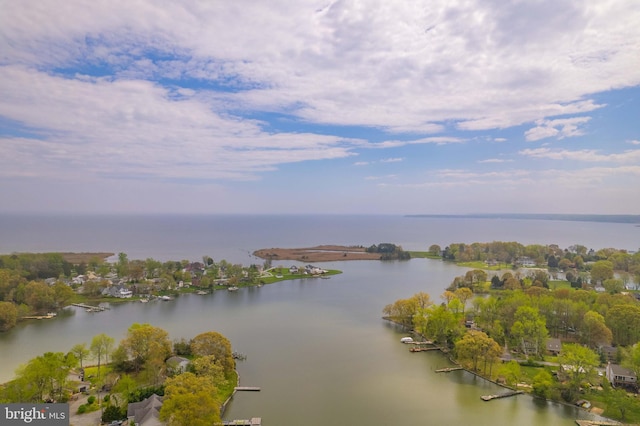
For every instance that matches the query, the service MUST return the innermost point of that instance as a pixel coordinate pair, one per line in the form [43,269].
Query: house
[610,353]
[525,262]
[146,412]
[554,346]
[621,377]
[118,291]
[177,364]
[293,270]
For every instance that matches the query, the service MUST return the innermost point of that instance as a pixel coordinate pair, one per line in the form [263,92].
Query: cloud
[585,155]
[634,142]
[561,128]
[392,160]
[494,160]
[347,63]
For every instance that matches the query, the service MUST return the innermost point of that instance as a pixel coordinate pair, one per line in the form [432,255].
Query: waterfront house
[145,412]
[621,377]
[177,364]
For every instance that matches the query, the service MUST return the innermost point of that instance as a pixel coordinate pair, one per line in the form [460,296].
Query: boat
[166,298]
[201,293]
[144,300]
[406,340]
[233,288]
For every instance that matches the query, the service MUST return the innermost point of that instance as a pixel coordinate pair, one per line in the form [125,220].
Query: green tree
[476,346]
[578,363]
[62,294]
[101,347]
[190,400]
[613,285]
[593,331]
[529,330]
[214,343]
[624,322]
[542,384]
[81,352]
[39,296]
[601,270]
[435,250]
[8,315]
[512,372]
[145,342]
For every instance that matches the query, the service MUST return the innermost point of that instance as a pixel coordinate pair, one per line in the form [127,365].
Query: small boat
[201,293]
[233,288]
[166,298]
[406,340]
[144,300]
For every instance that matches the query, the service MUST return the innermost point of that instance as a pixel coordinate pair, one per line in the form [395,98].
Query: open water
[317,348]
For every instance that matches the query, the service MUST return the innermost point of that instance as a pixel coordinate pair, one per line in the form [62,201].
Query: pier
[423,349]
[247,389]
[254,421]
[448,369]
[40,317]
[502,395]
[90,308]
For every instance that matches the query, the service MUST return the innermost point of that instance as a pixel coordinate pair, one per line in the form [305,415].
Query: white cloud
[562,128]
[586,155]
[392,160]
[634,142]
[401,66]
[494,160]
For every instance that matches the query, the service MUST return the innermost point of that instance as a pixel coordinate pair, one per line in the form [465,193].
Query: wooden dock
[91,308]
[448,369]
[39,317]
[501,395]
[254,421]
[423,349]
[597,423]
[247,389]
[426,342]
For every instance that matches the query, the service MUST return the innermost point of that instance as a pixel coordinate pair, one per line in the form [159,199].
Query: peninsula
[333,253]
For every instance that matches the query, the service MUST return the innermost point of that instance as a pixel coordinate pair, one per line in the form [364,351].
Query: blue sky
[311,106]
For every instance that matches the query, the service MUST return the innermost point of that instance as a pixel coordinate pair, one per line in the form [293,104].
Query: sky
[319,106]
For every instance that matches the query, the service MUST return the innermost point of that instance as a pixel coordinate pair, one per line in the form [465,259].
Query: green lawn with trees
[132,371]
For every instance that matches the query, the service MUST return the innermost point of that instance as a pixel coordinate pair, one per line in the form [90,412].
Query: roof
[146,412]
[621,371]
[554,344]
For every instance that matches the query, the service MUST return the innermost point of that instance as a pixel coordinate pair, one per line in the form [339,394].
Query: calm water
[318,348]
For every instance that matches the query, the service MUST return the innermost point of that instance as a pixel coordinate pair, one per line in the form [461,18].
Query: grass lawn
[423,255]
[482,265]
[556,284]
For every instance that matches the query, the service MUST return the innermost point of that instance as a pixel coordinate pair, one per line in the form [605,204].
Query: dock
[40,317]
[90,308]
[423,349]
[448,369]
[247,389]
[254,421]
[501,395]
[597,423]
[426,342]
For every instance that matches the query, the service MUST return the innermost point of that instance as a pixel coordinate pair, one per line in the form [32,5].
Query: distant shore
[324,253]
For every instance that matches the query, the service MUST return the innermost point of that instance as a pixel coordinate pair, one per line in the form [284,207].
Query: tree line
[479,328]
[39,283]
[132,371]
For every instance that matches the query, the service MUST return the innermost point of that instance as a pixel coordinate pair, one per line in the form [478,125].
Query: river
[317,348]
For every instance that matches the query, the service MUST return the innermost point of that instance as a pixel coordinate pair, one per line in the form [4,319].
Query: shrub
[82,409]
[91,400]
